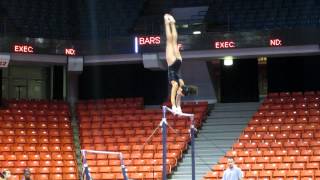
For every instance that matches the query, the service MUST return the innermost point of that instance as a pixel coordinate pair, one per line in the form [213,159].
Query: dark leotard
[174,71]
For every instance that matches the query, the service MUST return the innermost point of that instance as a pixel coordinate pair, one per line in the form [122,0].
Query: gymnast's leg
[174,32]
[177,55]
[179,95]
[170,60]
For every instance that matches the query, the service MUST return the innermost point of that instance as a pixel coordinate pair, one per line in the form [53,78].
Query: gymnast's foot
[166,18]
[171,19]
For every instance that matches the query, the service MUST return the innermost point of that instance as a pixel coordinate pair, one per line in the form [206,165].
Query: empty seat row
[282,136]
[33,118]
[129,169]
[110,100]
[42,106]
[136,147]
[271,175]
[36,125]
[285,121]
[285,113]
[273,159]
[297,106]
[126,132]
[38,163]
[290,152]
[33,133]
[36,148]
[135,139]
[293,94]
[11,156]
[278,127]
[133,125]
[125,117]
[43,137]
[112,112]
[172,161]
[119,176]
[35,112]
[270,166]
[291,101]
[277,145]
[45,170]
[49,176]
[111,106]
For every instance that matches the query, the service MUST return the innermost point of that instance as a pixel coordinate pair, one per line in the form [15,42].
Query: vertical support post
[193,163]
[84,163]
[164,143]
[123,167]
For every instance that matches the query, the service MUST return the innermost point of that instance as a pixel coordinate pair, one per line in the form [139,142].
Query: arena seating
[256,15]
[112,18]
[71,19]
[37,135]
[281,141]
[52,19]
[126,129]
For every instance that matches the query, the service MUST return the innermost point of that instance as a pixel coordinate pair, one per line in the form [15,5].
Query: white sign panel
[4,60]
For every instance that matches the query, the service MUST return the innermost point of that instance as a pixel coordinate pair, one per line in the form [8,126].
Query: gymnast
[174,61]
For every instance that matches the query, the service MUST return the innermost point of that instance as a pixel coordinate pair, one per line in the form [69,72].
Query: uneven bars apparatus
[163,124]
[123,167]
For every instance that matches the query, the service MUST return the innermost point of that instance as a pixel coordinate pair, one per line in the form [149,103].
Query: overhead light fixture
[185,25]
[136,45]
[228,61]
[39,40]
[196,32]
[262,60]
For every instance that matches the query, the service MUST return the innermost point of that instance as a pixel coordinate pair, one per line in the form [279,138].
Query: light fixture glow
[228,61]
[185,26]
[196,32]
[136,46]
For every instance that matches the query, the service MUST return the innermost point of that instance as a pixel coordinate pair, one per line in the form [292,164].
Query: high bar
[180,114]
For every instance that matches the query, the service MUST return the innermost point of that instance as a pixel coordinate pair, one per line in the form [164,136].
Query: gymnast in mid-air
[174,61]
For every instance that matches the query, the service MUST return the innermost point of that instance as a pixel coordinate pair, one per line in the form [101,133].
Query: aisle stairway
[218,133]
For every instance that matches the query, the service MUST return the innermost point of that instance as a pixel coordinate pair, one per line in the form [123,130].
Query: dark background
[133,80]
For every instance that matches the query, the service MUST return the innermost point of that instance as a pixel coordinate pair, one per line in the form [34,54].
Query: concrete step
[224,120]
[226,126]
[186,177]
[210,152]
[214,137]
[236,105]
[217,130]
[203,160]
[245,109]
[232,115]
[187,170]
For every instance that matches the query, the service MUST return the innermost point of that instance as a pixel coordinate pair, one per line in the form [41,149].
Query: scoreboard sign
[155,43]
[149,40]
[70,52]
[23,49]
[275,42]
[224,44]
